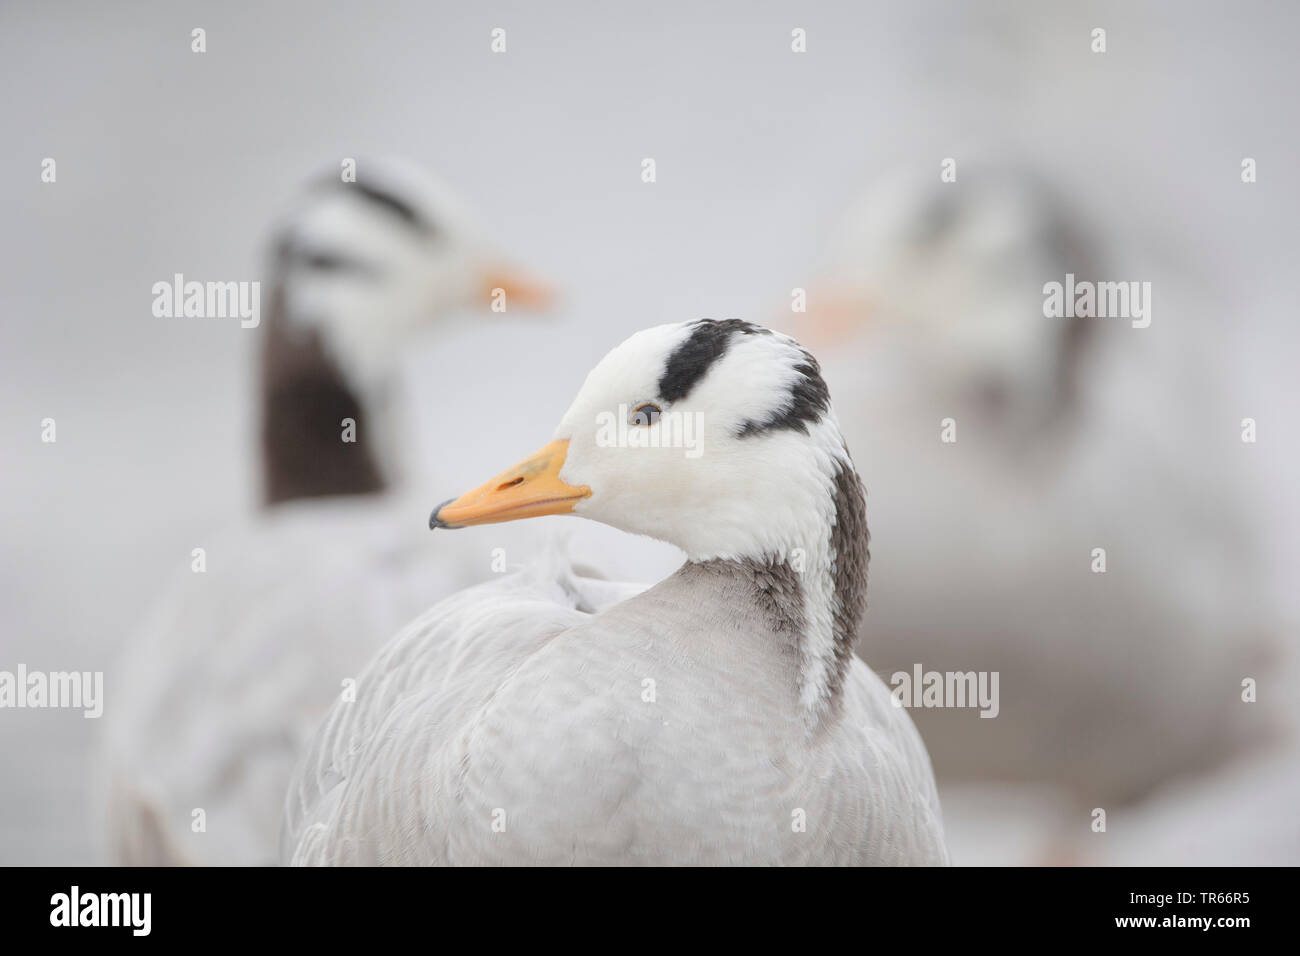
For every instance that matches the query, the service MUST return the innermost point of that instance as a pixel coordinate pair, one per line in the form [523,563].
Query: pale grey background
[170,161]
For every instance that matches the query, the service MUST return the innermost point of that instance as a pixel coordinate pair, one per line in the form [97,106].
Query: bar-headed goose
[718,717]
[1044,485]
[218,692]
[943,282]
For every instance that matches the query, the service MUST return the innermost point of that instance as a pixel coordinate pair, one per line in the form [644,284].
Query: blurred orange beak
[519,289]
[528,490]
[833,317]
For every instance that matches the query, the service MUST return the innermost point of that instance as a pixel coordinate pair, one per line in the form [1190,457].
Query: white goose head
[359,270]
[368,264]
[717,437]
[950,276]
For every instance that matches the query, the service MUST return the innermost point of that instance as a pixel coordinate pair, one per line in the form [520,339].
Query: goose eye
[645,415]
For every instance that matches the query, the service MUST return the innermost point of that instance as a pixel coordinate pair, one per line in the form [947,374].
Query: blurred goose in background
[235,667]
[1071,435]
[719,717]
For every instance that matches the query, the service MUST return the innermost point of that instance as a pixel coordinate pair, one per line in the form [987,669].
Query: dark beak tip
[435,522]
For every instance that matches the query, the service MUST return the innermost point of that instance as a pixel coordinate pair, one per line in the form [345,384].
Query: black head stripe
[292,255]
[691,360]
[337,262]
[393,203]
[384,200]
[808,401]
[808,398]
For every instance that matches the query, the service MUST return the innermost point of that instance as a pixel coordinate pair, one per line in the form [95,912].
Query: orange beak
[832,318]
[515,288]
[528,490]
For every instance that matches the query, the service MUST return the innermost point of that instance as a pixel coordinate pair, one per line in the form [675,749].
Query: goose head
[360,270]
[717,437]
[949,279]
[366,265]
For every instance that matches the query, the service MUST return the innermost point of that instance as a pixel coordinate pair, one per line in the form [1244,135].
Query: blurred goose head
[948,279]
[360,270]
[717,437]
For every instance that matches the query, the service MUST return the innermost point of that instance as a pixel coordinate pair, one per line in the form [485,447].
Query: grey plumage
[505,698]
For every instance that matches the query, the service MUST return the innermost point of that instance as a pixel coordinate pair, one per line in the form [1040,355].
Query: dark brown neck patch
[305,399]
[777,590]
[850,544]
